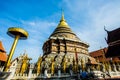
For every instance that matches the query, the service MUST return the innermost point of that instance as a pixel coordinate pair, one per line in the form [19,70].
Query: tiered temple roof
[63,30]
[3,55]
[113,41]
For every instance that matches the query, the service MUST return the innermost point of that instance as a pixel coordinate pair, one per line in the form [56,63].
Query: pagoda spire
[62,18]
[63,23]
[63,30]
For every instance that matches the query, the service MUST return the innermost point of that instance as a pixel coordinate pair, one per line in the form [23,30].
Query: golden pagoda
[63,44]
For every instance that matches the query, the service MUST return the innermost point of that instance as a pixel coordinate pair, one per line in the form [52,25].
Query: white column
[45,73]
[71,72]
[12,69]
[30,71]
[59,72]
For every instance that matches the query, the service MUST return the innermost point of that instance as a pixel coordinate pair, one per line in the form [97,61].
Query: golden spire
[62,21]
[62,18]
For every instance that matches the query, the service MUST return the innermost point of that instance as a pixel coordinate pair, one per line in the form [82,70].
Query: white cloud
[39,31]
[95,17]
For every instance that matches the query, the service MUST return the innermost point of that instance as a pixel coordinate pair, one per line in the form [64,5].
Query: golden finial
[63,22]
[62,19]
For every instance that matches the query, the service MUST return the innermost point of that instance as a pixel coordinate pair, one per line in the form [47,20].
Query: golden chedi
[62,47]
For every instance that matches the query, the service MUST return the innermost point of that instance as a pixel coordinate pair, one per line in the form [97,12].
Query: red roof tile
[1,47]
[3,55]
[100,54]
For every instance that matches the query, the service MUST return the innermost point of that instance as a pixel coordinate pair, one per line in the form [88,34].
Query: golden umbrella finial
[17,33]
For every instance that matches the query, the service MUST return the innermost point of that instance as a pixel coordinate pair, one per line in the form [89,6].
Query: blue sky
[86,18]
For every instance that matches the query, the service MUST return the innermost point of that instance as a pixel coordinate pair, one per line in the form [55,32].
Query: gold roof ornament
[63,22]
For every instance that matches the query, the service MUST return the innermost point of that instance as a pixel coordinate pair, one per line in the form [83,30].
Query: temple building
[64,49]
[65,57]
[3,56]
[100,55]
[113,62]
[113,41]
